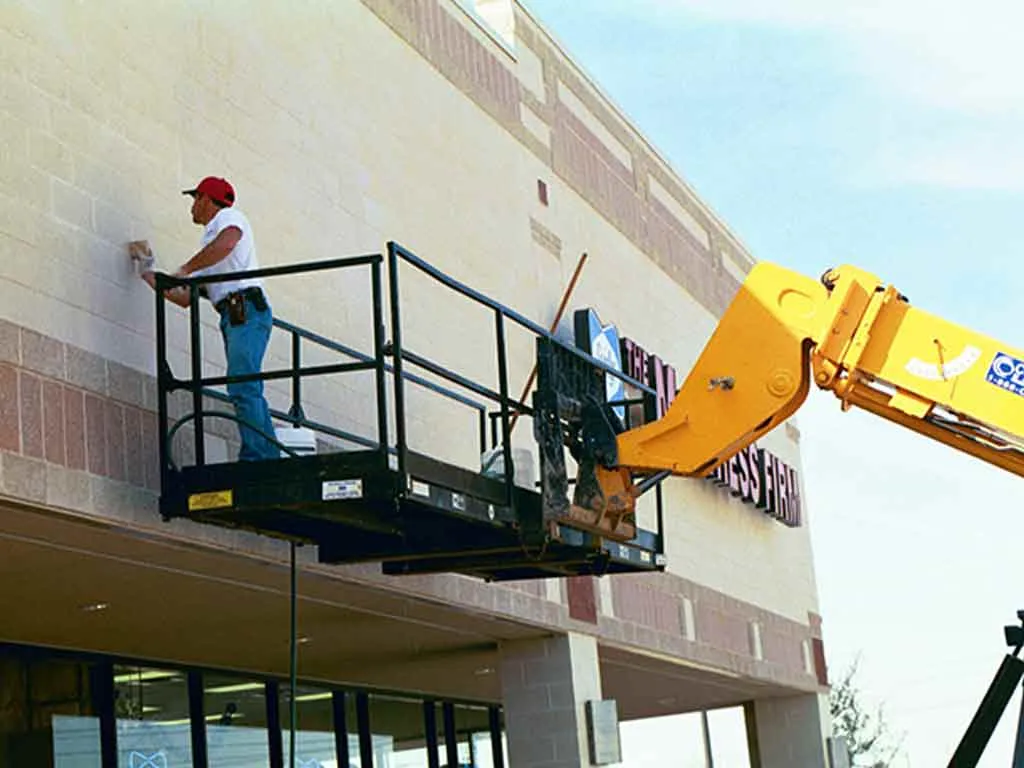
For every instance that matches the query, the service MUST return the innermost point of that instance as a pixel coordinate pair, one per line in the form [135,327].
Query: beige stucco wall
[339,136]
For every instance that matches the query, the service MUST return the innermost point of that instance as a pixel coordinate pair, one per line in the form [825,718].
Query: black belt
[253,294]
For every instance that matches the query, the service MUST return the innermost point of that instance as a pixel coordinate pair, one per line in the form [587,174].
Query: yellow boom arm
[854,336]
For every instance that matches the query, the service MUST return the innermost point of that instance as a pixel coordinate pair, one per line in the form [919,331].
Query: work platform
[382,501]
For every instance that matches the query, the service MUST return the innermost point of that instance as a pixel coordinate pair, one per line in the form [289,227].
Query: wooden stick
[554,326]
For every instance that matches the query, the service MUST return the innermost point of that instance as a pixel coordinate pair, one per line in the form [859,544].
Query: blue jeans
[244,346]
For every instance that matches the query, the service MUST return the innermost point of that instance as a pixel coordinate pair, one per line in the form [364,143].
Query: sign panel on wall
[602,341]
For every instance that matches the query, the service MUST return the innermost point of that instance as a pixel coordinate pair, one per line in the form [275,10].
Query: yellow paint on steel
[850,334]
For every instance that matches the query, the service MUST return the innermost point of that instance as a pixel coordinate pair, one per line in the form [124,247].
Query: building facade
[462,130]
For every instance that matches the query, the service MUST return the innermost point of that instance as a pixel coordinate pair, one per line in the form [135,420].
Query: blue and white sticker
[1007,372]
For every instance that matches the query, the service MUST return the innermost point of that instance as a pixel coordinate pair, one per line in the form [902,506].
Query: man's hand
[145,265]
[142,256]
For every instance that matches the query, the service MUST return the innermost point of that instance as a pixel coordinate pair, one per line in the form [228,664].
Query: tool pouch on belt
[236,308]
[259,300]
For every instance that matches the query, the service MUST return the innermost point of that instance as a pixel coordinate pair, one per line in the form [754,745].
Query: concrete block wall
[545,684]
[788,731]
[714,539]
[67,414]
[342,125]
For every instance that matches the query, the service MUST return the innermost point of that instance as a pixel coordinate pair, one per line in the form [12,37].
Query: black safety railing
[498,421]
[494,417]
[493,406]
[201,387]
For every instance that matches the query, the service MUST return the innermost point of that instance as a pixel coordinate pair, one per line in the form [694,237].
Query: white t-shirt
[242,256]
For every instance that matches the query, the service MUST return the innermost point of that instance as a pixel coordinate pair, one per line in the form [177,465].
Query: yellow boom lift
[850,334]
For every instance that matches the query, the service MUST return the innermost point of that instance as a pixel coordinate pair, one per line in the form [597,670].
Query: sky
[888,134]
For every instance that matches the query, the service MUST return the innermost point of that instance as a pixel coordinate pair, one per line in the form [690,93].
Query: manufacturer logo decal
[1007,372]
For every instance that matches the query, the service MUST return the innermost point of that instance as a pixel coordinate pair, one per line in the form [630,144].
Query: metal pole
[296,410]
[396,352]
[659,501]
[378,357]
[430,726]
[163,384]
[365,735]
[272,694]
[341,748]
[494,725]
[1018,749]
[984,722]
[506,428]
[483,429]
[451,739]
[294,662]
[197,727]
[648,483]
[709,758]
[103,701]
[197,372]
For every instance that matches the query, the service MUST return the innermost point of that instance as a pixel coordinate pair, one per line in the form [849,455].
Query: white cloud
[942,52]
[978,160]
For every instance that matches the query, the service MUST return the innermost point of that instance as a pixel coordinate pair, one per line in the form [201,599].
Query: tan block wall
[714,539]
[343,125]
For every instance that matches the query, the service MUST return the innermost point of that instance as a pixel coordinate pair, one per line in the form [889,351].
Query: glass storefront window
[314,728]
[151,710]
[472,724]
[236,722]
[398,736]
[483,750]
[47,712]
[57,711]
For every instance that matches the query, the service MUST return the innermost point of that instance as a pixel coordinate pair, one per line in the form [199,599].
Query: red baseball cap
[219,190]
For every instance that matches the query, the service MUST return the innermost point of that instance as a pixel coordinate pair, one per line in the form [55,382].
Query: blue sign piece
[602,342]
[1007,372]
